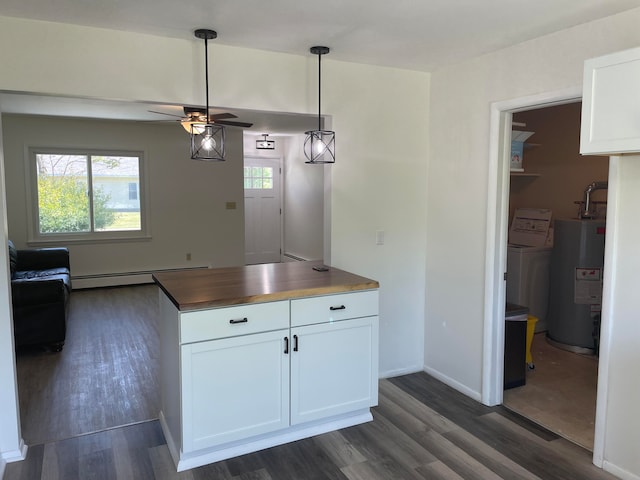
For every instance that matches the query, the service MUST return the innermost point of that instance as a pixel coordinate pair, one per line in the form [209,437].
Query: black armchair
[40,289]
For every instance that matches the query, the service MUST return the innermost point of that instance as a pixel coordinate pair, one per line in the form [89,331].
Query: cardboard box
[530,227]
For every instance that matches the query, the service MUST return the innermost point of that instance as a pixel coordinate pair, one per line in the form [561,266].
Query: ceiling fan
[198,115]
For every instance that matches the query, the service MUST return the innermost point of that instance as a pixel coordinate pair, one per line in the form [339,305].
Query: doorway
[560,389]
[262,209]
[496,253]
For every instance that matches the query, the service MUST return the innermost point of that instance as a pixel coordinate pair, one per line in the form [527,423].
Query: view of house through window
[87,193]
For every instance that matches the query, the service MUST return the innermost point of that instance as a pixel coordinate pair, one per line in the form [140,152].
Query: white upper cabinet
[611,104]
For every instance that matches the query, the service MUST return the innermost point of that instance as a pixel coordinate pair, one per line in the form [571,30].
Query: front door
[262,210]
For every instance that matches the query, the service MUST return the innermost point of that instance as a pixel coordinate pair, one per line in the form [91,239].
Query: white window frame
[37,238]
[273,173]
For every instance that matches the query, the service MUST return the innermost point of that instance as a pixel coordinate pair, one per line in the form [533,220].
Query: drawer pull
[238,320]
[341,307]
[295,343]
[286,345]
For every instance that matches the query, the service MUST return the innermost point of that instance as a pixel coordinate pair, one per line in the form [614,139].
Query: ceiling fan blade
[222,116]
[163,113]
[234,124]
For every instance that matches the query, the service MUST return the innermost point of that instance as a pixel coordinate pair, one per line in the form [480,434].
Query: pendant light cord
[206,74]
[319,87]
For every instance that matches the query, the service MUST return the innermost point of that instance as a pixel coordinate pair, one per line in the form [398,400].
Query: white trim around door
[495,265]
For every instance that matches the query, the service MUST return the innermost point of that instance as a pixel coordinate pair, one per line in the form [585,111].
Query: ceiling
[412,34]
[421,35]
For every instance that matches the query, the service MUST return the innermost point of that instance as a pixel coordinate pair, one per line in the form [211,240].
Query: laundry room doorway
[552,182]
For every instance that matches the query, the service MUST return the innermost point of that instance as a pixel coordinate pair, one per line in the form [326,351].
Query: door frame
[496,254]
[279,159]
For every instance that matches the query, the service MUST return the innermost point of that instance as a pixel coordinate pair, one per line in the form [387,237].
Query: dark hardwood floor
[422,429]
[105,376]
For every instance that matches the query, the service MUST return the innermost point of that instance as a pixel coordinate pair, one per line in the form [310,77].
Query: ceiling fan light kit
[320,145]
[265,144]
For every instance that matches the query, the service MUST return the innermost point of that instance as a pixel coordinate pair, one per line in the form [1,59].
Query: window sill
[67,240]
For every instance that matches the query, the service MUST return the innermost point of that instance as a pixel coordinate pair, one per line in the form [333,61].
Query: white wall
[303,203]
[620,336]
[378,181]
[379,184]
[10,440]
[457,208]
[186,198]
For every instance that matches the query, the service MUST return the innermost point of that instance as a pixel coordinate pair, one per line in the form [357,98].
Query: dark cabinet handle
[286,344]
[341,307]
[295,343]
[238,320]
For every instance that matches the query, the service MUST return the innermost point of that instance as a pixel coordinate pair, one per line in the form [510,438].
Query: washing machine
[528,280]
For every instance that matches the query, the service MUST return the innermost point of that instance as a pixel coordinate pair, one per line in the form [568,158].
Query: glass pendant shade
[320,146]
[207,142]
[187,125]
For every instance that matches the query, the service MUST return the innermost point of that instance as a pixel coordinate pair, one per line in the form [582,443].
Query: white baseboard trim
[292,257]
[13,456]
[477,396]
[111,281]
[619,472]
[400,371]
[173,449]
[119,279]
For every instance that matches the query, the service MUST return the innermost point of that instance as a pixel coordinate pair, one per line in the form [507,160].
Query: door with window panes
[262,210]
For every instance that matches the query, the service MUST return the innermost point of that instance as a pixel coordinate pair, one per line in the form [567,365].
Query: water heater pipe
[586,203]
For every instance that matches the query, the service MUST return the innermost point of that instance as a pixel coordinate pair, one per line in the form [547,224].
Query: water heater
[575,284]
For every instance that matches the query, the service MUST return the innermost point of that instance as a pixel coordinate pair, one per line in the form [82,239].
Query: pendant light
[207,138]
[320,145]
[265,144]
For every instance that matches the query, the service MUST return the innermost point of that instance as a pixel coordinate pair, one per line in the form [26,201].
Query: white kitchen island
[257,356]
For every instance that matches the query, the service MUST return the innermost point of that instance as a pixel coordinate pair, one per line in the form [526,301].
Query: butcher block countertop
[218,287]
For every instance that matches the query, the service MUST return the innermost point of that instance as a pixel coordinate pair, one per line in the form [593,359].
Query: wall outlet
[231,205]
[380,237]
[188,257]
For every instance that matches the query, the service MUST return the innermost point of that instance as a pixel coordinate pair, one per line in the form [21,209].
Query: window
[87,195]
[133,191]
[258,177]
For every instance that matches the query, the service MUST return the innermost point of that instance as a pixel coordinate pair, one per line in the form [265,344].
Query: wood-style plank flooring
[422,429]
[105,376]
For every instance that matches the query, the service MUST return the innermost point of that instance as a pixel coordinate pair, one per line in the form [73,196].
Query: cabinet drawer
[331,308]
[232,321]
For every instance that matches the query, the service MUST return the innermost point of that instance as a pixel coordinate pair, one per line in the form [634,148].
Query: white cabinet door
[334,368]
[234,388]
[611,104]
